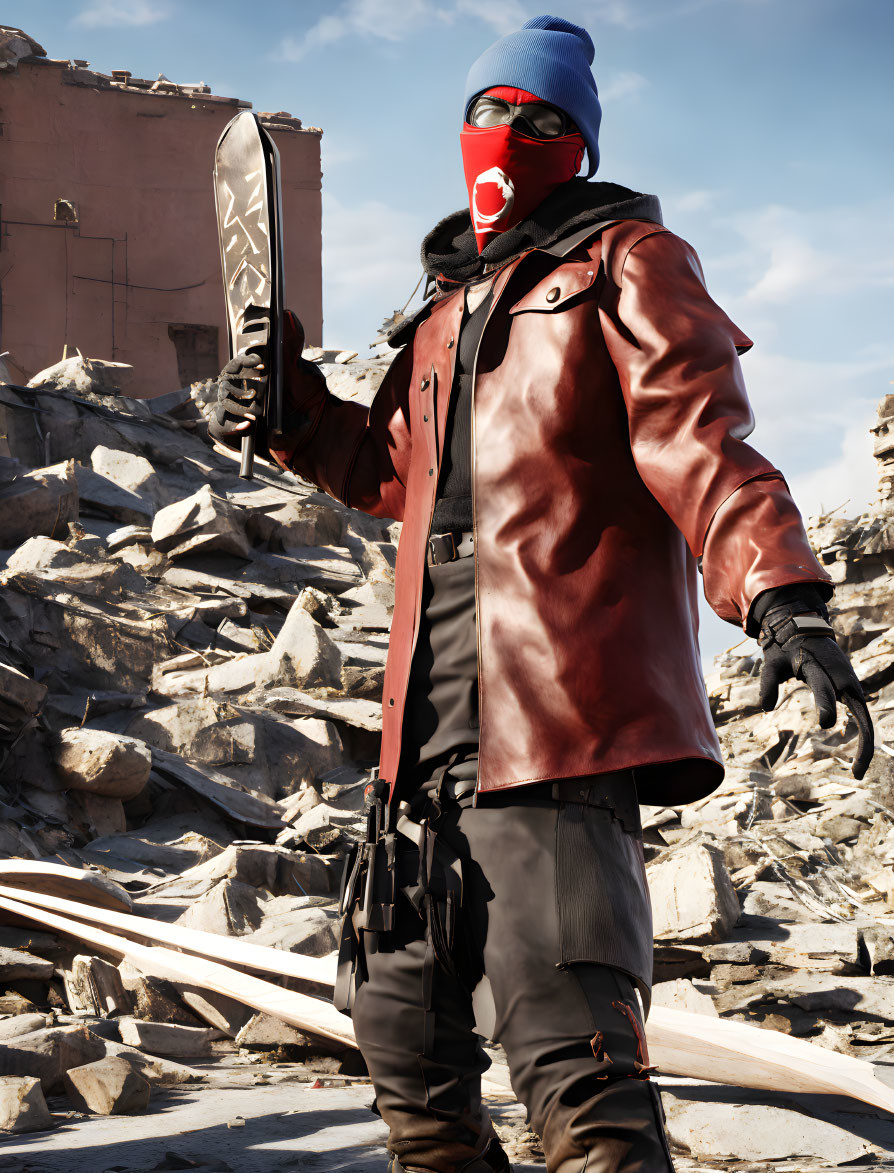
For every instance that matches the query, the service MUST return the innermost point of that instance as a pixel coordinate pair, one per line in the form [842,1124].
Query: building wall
[137,278]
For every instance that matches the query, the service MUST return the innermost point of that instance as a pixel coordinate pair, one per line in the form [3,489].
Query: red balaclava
[508,174]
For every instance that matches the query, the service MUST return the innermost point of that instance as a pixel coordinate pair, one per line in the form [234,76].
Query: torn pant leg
[588,1094]
[570,1023]
[414,1026]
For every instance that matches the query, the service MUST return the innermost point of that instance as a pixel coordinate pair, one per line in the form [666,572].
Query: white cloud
[850,480]
[123,13]
[370,265]
[700,200]
[787,254]
[503,16]
[363,18]
[622,85]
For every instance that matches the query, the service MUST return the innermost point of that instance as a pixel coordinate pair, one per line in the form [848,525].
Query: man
[562,436]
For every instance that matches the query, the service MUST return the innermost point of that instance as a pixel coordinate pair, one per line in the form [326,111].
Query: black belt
[448,547]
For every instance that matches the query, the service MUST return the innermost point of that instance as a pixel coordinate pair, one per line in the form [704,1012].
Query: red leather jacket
[609,454]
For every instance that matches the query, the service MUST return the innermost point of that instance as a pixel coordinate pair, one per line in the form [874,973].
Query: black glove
[798,641]
[237,391]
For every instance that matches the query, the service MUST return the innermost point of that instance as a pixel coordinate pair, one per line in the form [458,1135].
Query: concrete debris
[693,898]
[264,1033]
[108,1087]
[103,763]
[204,522]
[15,965]
[23,1107]
[168,1039]
[38,501]
[757,1132]
[190,681]
[94,986]
[79,375]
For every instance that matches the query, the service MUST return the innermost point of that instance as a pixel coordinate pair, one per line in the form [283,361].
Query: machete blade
[248,199]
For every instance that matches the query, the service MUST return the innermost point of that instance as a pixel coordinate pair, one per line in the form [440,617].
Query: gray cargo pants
[545,900]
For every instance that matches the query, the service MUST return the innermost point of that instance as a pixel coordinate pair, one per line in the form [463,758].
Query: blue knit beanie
[549,57]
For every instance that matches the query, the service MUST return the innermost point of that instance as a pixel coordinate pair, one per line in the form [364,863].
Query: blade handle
[246,464]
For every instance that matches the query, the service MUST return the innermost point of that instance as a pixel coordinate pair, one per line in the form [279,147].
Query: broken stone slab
[21,1024]
[769,899]
[103,763]
[257,865]
[756,1132]
[97,494]
[21,691]
[44,565]
[157,846]
[128,535]
[229,908]
[22,1105]
[302,656]
[298,924]
[820,993]
[203,522]
[682,994]
[362,714]
[96,815]
[130,471]
[15,965]
[40,502]
[314,825]
[154,999]
[94,986]
[693,898]
[167,1039]
[223,1013]
[49,1053]
[263,1032]
[264,751]
[98,376]
[255,809]
[108,1087]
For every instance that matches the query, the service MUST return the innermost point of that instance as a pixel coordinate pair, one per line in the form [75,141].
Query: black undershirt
[440,728]
[453,504]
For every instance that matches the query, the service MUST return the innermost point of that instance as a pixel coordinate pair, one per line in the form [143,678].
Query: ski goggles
[535,119]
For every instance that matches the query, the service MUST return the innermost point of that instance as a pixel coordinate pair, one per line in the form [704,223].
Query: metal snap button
[553,293]
[424,384]
[425,419]
[450,343]
[391,702]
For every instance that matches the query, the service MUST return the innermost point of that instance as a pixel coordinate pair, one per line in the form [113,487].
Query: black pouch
[366,899]
[605,915]
[349,945]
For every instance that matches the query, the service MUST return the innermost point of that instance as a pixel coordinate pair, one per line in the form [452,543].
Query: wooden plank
[56,879]
[723,1051]
[299,1010]
[230,950]
[680,1043]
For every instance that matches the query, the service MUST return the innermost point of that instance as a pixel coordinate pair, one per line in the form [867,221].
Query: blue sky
[765,126]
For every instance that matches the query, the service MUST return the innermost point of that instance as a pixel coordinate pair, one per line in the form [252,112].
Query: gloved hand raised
[237,391]
[798,641]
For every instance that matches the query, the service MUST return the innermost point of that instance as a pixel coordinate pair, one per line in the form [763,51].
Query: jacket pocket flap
[556,288]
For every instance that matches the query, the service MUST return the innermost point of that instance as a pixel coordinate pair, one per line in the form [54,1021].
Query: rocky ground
[190,674]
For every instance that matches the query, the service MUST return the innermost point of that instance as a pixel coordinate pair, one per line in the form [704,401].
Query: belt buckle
[435,545]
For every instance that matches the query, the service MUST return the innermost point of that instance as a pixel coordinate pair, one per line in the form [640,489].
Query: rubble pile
[191,668]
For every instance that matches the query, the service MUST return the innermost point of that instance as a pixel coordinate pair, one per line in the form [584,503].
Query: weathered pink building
[108,238]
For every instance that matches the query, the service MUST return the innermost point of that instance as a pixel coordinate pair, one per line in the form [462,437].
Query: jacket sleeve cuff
[756,542]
